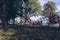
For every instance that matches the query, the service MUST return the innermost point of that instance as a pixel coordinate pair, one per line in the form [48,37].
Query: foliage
[35,7]
[50,8]
[11,9]
[0,8]
[50,11]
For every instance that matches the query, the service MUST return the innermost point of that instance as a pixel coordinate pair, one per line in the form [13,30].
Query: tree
[12,11]
[35,6]
[0,9]
[50,11]
[19,9]
[32,7]
[4,14]
[8,12]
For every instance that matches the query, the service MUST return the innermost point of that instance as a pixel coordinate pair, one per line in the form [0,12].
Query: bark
[25,20]
[21,21]
[4,14]
[13,20]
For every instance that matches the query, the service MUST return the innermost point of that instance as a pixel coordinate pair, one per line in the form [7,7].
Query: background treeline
[10,9]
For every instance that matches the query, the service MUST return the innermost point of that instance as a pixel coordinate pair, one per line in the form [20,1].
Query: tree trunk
[13,21]
[25,20]
[4,15]
[21,21]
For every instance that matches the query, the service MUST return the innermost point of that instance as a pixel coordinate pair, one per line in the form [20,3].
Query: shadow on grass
[35,33]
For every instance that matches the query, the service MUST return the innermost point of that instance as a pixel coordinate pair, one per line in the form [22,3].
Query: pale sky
[56,1]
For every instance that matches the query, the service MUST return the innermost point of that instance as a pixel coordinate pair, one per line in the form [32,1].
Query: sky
[56,1]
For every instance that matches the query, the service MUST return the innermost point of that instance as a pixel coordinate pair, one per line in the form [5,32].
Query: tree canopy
[50,8]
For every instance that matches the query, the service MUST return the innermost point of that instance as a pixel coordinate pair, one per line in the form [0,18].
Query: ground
[30,33]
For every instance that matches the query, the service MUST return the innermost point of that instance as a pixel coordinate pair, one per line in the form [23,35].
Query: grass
[5,35]
[15,32]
